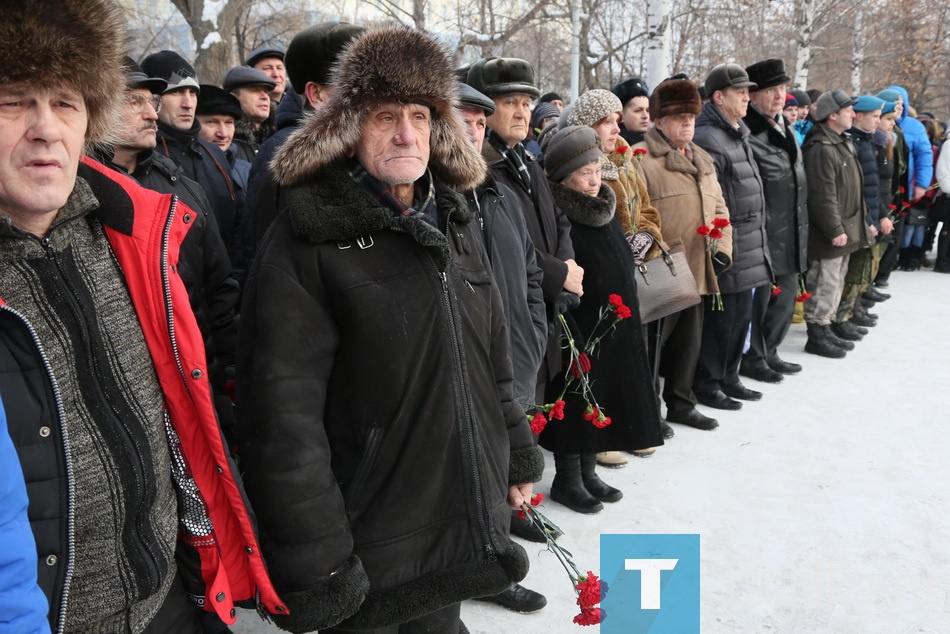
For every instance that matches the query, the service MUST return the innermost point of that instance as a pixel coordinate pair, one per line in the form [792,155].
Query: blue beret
[868,103]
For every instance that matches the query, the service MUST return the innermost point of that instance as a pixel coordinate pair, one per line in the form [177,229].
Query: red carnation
[892,207]
[639,151]
[623,149]
[776,290]
[591,413]
[720,223]
[590,616]
[623,312]
[602,421]
[538,423]
[903,189]
[537,498]
[615,300]
[905,204]
[557,411]
[521,515]
[715,234]
[580,366]
[589,591]
[702,230]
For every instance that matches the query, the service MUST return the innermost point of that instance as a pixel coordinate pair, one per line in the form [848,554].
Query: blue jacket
[920,168]
[23,605]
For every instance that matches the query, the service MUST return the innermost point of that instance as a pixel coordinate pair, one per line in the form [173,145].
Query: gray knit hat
[831,102]
[570,149]
[593,106]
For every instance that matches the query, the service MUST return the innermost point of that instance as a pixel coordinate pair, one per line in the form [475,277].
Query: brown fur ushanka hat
[673,97]
[385,65]
[79,44]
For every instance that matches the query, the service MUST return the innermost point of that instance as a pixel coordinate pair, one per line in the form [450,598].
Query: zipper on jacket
[167,289]
[147,555]
[358,482]
[67,454]
[466,411]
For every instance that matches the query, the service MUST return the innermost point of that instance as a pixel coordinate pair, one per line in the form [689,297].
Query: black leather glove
[720,262]
[565,301]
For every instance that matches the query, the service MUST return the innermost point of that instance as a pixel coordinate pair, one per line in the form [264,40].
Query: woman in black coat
[620,376]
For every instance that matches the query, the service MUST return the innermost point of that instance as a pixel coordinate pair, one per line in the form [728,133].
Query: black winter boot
[942,265]
[836,340]
[568,488]
[818,343]
[914,255]
[861,317]
[845,330]
[592,482]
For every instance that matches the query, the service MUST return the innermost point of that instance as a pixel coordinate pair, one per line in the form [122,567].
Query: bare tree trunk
[805,23]
[212,25]
[658,41]
[858,40]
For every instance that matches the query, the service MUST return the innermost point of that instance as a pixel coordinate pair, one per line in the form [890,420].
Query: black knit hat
[542,111]
[801,97]
[570,149]
[215,100]
[313,53]
[171,67]
[135,77]
[767,73]
[503,75]
[548,97]
[630,88]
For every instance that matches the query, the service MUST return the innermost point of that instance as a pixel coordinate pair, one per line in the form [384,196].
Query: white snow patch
[212,9]
[212,38]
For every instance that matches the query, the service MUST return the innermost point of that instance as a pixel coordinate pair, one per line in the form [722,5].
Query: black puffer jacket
[743,191]
[379,432]
[864,148]
[205,269]
[786,195]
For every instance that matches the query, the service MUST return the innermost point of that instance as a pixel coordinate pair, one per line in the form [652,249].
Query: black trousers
[681,337]
[771,319]
[892,252]
[724,333]
[444,621]
[177,614]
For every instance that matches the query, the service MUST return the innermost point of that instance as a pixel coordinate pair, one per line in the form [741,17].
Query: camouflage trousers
[862,268]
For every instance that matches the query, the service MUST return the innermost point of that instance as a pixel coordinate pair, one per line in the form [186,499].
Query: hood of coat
[290,109]
[675,161]
[593,211]
[334,208]
[365,78]
[904,113]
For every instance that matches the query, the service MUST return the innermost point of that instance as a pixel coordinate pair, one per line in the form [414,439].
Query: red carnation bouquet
[713,234]
[589,588]
[803,293]
[579,364]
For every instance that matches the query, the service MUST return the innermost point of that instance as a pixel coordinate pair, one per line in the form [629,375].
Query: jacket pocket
[355,492]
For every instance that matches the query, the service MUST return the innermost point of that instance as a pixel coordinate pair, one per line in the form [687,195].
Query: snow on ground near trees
[821,508]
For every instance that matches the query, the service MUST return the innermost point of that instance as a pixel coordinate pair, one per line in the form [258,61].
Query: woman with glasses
[619,373]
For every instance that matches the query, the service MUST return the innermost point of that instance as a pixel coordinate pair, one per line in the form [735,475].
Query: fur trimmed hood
[391,64]
[592,211]
[75,43]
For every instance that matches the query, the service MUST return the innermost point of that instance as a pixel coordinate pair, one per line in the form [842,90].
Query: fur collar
[334,208]
[674,160]
[592,211]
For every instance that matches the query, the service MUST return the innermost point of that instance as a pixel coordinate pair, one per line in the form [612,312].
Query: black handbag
[665,285]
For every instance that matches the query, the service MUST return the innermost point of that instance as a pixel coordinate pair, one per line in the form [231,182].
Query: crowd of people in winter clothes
[354,288]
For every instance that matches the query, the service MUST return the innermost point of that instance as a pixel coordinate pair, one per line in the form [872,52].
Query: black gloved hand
[565,301]
[720,262]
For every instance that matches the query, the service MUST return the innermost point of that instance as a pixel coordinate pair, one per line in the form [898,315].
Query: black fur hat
[75,43]
[767,73]
[368,76]
[673,97]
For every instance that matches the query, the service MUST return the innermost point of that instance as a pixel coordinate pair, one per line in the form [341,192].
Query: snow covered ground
[824,507]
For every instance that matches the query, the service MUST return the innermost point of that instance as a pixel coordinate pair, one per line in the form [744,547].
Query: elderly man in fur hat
[681,180]
[134,504]
[382,445]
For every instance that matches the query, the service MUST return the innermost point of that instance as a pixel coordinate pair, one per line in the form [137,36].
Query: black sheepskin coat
[620,373]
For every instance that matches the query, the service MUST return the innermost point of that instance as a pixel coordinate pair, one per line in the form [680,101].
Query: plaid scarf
[421,208]
[514,156]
